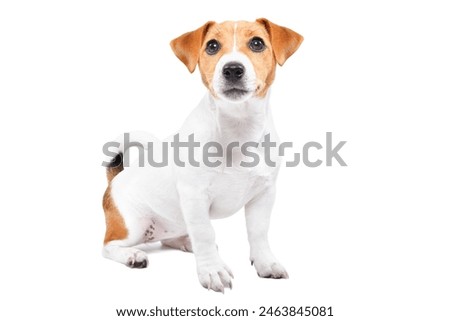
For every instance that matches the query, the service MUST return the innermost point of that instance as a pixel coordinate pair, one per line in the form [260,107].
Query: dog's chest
[233,188]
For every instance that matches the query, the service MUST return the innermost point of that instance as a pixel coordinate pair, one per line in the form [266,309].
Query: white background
[372,239]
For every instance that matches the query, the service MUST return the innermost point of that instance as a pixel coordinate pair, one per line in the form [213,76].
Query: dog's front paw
[270,269]
[215,275]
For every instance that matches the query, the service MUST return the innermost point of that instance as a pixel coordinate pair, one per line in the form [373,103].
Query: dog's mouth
[235,93]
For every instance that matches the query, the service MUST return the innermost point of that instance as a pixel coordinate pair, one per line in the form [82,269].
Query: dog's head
[237,60]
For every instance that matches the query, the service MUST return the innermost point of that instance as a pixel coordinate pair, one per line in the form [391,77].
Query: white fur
[235,37]
[249,76]
[181,201]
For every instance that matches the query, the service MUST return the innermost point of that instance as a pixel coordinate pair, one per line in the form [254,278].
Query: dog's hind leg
[129,256]
[120,237]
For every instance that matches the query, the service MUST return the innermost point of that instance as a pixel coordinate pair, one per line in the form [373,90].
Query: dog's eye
[212,47]
[256,44]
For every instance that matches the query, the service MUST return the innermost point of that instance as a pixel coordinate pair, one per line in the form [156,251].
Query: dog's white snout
[234,77]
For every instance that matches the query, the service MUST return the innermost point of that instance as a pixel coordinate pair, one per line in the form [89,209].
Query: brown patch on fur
[114,167]
[223,33]
[284,40]
[187,46]
[115,225]
[264,62]
[111,172]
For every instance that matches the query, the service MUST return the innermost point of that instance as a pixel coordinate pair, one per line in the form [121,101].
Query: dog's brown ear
[284,40]
[187,46]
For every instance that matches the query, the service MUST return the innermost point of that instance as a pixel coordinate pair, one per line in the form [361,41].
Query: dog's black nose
[233,71]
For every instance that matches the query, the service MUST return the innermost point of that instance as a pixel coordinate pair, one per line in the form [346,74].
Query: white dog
[175,204]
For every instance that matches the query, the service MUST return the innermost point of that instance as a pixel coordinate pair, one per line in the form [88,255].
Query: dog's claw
[271,271]
[215,277]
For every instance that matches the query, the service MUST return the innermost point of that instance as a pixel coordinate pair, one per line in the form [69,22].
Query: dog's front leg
[257,215]
[212,271]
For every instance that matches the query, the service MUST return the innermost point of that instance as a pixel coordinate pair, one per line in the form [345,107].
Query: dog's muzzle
[234,76]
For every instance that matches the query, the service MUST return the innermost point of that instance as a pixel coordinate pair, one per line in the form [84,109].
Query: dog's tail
[114,167]
[139,139]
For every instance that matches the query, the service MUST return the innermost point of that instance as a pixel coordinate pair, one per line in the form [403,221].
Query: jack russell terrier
[175,204]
